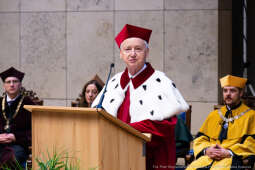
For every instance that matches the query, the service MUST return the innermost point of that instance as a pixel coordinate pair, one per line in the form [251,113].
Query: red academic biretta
[129,31]
[12,72]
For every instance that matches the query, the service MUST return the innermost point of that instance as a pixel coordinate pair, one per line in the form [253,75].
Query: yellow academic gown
[240,139]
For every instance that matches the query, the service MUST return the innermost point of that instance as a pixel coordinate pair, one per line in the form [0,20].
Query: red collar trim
[139,79]
[124,79]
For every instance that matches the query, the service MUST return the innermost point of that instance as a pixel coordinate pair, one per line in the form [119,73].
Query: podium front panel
[92,138]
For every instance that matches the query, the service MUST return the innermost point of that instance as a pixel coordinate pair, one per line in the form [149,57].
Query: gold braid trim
[232,118]
[16,112]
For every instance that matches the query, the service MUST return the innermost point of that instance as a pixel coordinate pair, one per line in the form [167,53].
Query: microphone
[102,97]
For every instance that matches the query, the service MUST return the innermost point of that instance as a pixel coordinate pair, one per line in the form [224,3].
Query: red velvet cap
[12,72]
[129,31]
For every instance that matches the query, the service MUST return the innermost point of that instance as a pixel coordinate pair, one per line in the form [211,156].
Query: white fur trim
[155,99]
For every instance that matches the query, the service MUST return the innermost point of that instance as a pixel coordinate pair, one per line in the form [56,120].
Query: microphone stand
[99,106]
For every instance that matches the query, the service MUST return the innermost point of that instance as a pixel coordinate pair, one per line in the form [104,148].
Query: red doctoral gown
[161,151]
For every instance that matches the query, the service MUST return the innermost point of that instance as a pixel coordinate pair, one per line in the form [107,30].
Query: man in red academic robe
[144,98]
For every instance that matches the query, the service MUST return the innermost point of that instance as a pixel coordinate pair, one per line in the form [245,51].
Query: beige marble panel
[43,5]
[191,60]
[9,5]
[191,4]
[9,42]
[152,20]
[139,5]
[199,113]
[43,53]
[54,102]
[89,48]
[80,5]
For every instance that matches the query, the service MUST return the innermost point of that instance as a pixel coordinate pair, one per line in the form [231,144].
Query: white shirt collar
[8,99]
[130,76]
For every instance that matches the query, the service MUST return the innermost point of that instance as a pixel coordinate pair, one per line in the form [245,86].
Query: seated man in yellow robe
[228,134]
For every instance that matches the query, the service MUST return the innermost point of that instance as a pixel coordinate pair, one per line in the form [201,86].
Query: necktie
[123,112]
[224,127]
[10,102]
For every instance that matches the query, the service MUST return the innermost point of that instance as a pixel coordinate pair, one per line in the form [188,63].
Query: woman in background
[89,92]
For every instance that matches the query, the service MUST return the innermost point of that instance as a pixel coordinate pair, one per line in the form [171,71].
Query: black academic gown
[20,126]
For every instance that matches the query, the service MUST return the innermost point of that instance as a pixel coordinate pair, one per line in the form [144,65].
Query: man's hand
[7,138]
[217,152]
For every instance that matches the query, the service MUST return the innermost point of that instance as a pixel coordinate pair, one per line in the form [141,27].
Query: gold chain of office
[7,126]
[232,118]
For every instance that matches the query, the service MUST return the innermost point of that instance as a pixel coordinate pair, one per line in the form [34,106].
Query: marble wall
[61,44]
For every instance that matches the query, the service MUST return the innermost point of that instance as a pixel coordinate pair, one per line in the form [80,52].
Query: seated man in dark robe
[15,121]
[144,98]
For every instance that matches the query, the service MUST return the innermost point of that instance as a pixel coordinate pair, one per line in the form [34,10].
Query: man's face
[133,52]
[12,86]
[232,95]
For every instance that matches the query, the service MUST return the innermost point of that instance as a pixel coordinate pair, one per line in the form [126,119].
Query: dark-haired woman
[89,92]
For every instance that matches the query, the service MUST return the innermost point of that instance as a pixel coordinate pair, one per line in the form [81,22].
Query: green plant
[54,161]
[57,161]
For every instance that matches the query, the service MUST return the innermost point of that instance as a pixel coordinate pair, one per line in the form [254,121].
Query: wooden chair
[76,102]
[32,95]
[183,147]
[249,101]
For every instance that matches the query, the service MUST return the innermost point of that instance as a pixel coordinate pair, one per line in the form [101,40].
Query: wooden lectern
[92,136]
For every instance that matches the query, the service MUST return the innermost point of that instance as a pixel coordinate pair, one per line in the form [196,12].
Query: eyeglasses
[130,50]
[12,81]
